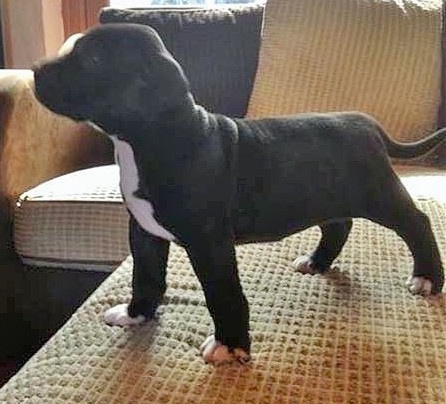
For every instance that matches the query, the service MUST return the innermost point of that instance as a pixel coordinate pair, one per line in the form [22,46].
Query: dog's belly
[284,208]
[271,227]
[141,209]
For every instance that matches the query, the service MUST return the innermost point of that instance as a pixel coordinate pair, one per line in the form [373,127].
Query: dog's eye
[90,61]
[95,60]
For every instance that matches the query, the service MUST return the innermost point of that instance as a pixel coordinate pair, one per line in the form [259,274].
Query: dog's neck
[184,123]
[123,117]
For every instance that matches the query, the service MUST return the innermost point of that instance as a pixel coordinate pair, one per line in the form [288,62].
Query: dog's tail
[413,150]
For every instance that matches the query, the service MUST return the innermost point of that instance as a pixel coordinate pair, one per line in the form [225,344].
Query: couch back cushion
[217,48]
[378,56]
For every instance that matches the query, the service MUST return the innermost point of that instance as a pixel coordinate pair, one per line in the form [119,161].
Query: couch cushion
[76,221]
[32,148]
[217,48]
[353,336]
[378,56]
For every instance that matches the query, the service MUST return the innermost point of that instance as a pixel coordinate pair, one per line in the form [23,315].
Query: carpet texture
[354,335]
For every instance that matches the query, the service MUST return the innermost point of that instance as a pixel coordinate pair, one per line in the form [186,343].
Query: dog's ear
[164,82]
[159,89]
[169,70]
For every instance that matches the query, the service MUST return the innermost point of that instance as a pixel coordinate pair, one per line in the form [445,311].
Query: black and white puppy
[208,182]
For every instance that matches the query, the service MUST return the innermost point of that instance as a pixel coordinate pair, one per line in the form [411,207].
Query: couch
[91,231]
[353,336]
[93,196]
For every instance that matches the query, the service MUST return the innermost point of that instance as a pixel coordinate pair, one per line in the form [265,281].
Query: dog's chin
[77,117]
[66,112]
[61,108]
[56,104]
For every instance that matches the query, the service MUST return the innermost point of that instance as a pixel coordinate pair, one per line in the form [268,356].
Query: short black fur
[215,181]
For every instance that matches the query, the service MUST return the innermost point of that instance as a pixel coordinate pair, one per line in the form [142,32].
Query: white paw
[305,265]
[418,285]
[119,315]
[216,353]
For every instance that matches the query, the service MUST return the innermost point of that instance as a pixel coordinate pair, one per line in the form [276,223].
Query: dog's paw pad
[216,353]
[119,315]
[419,285]
[305,265]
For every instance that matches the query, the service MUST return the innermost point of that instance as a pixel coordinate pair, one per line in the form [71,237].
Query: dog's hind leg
[396,210]
[150,255]
[334,236]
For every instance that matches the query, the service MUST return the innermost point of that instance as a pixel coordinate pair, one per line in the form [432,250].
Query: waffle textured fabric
[76,221]
[354,335]
[378,56]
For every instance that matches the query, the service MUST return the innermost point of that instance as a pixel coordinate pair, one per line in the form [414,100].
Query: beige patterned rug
[352,336]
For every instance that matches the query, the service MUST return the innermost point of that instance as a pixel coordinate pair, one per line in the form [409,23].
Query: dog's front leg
[150,255]
[215,264]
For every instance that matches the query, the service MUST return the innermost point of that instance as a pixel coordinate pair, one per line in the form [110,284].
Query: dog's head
[115,72]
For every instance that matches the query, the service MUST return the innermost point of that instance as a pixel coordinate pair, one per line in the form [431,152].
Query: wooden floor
[34,303]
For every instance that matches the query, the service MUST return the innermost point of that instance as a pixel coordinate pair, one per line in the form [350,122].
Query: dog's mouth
[49,93]
[45,90]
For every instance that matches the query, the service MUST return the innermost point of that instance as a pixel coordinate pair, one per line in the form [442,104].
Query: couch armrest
[36,144]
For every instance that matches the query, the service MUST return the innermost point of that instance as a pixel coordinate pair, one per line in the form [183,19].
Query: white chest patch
[141,209]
